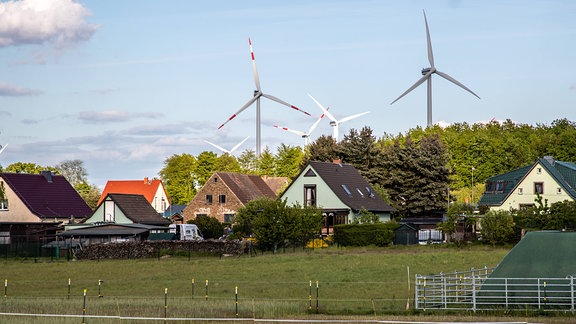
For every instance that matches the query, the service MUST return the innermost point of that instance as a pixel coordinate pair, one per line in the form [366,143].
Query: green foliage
[227,163]
[288,159]
[324,149]
[497,227]
[209,226]
[380,234]
[559,216]
[90,193]
[366,217]
[27,167]
[360,150]
[205,167]
[266,164]
[178,178]
[248,162]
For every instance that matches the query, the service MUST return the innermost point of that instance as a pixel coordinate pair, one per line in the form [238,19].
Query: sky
[124,85]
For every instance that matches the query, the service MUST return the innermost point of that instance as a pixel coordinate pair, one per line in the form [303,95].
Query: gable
[127,208]
[148,188]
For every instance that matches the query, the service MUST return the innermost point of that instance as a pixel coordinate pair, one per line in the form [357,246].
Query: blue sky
[122,85]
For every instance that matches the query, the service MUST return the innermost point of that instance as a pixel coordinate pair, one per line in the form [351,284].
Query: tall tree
[288,160]
[178,177]
[73,171]
[227,163]
[205,166]
[248,162]
[266,163]
[360,150]
[324,149]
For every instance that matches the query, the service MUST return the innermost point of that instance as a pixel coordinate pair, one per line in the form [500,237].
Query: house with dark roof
[153,190]
[119,217]
[339,189]
[224,193]
[554,181]
[44,197]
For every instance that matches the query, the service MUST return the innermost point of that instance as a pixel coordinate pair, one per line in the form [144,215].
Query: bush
[210,227]
[379,234]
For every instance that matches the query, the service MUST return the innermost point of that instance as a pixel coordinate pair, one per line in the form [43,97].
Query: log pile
[149,249]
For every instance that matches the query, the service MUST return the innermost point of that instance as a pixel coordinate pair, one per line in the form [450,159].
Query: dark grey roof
[350,187]
[110,229]
[174,209]
[137,209]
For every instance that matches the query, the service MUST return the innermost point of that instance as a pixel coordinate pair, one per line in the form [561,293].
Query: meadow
[358,283]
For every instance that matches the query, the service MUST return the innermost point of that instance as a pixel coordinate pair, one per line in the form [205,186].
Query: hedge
[379,234]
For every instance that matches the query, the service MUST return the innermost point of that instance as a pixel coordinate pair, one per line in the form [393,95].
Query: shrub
[379,234]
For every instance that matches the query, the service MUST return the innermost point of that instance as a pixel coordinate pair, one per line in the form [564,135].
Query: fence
[474,290]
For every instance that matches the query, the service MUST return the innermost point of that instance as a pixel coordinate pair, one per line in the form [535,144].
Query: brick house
[224,193]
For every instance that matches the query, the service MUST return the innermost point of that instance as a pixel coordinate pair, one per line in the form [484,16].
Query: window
[4,204]
[347,190]
[221,199]
[309,195]
[539,188]
[228,218]
[109,207]
[520,191]
[208,199]
[559,191]
[499,186]
[360,192]
[539,170]
[215,179]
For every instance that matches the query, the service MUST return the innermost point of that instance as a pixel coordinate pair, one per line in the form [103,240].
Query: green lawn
[369,282]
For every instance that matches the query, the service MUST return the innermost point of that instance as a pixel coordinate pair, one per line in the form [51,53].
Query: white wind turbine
[333,121]
[257,95]
[427,76]
[2,148]
[225,150]
[304,135]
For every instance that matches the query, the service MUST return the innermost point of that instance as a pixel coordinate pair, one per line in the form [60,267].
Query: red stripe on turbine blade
[221,126]
[232,117]
[252,56]
[284,128]
[249,41]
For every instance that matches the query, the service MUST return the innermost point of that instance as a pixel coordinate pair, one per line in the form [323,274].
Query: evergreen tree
[360,150]
[266,163]
[324,149]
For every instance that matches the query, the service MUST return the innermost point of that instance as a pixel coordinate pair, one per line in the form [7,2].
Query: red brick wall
[198,205]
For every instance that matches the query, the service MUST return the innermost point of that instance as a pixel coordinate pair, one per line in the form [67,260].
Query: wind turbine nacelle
[426,71]
[332,123]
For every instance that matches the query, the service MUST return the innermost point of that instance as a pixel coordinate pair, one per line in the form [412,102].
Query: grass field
[359,282]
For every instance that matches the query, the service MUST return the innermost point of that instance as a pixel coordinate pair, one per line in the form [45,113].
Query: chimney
[337,161]
[47,175]
[146,180]
[549,159]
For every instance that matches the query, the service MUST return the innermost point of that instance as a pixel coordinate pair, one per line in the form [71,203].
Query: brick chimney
[146,180]
[337,161]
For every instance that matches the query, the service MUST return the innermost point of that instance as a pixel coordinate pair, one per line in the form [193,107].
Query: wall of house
[325,197]
[524,194]
[160,201]
[98,215]
[199,206]
[17,210]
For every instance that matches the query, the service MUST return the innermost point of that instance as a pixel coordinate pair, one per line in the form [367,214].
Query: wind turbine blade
[299,133]
[430,55]
[414,86]
[345,119]
[315,124]
[323,109]
[251,101]
[218,147]
[238,145]
[284,103]
[451,79]
[2,148]
[256,77]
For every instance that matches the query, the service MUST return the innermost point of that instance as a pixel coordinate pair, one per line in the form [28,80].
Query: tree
[226,163]
[248,162]
[307,224]
[90,193]
[366,217]
[288,160]
[324,149]
[266,164]
[205,166]
[360,150]
[497,227]
[73,171]
[27,167]
[209,226]
[178,177]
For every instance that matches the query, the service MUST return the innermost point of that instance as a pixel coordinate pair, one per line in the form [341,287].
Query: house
[45,197]
[119,217]
[553,180]
[174,213]
[153,190]
[34,206]
[224,193]
[339,189]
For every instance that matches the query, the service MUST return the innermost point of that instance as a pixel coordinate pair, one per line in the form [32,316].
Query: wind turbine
[2,148]
[304,135]
[427,76]
[334,122]
[225,150]
[257,95]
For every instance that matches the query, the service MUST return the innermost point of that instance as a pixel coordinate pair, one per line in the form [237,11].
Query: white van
[186,232]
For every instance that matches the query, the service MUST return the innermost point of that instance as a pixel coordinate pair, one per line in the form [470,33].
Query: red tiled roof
[50,196]
[145,187]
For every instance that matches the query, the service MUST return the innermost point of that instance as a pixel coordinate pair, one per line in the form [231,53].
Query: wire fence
[475,290]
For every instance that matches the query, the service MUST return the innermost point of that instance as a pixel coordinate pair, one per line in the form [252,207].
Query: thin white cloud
[57,22]
[4,113]
[114,116]
[8,90]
